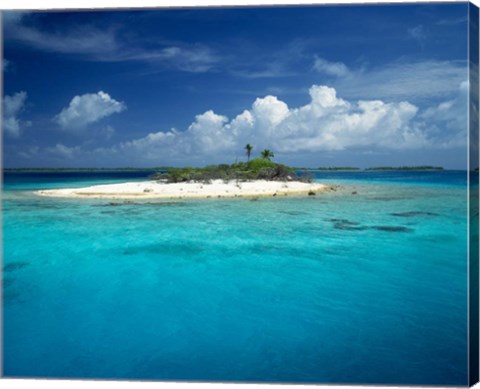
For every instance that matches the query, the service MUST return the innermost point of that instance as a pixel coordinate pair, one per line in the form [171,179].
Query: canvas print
[241,194]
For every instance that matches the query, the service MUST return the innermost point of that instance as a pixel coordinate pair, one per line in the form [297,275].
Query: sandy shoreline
[215,189]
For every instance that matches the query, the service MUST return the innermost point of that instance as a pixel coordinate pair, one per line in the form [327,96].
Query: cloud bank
[327,123]
[86,109]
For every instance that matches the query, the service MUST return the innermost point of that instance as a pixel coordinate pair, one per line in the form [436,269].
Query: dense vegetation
[255,169]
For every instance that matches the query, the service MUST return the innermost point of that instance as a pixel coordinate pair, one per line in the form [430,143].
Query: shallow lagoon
[337,287]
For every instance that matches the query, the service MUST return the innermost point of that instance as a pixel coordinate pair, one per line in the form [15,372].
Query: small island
[254,178]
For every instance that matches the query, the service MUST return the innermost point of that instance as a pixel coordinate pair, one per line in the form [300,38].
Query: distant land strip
[348,168]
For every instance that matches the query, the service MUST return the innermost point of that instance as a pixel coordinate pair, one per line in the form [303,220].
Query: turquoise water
[336,288]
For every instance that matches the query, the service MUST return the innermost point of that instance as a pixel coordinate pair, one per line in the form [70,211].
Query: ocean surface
[365,284]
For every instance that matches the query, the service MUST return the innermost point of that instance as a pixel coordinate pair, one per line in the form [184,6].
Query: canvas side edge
[473,209]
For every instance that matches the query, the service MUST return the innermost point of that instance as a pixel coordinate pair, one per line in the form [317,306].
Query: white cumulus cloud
[88,108]
[12,107]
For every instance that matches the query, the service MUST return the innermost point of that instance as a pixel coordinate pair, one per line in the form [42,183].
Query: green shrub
[259,163]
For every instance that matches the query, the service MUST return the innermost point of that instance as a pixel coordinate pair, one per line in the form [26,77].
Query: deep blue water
[338,288]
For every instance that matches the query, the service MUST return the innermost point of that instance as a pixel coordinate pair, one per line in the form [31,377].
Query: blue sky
[320,86]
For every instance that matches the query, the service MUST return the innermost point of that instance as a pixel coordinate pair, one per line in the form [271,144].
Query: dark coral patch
[348,227]
[164,249]
[413,214]
[392,228]
[294,213]
[343,221]
[11,296]
[388,198]
[14,266]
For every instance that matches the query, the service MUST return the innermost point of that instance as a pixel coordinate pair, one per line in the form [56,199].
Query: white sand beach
[215,189]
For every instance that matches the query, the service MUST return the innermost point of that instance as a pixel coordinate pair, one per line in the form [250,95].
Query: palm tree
[249,148]
[267,154]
